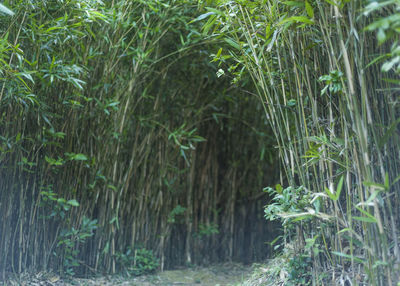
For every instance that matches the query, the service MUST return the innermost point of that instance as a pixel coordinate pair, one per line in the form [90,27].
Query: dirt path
[228,274]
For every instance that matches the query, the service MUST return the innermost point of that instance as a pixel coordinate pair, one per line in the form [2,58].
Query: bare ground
[228,274]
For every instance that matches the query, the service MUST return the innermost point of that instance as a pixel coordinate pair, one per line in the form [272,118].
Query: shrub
[137,262]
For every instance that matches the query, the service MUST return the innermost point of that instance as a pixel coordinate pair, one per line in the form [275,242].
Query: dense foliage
[327,73]
[127,126]
[117,138]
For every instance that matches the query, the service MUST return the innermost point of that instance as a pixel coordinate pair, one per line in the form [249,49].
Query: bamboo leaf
[297,19]
[330,195]
[339,188]
[350,257]
[374,185]
[202,16]
[347,229]
[210,23]
[73,203]
[296,4]
[309,9]
[365,213]
[388,134]
[80,157]
[387,185]
[76,157]
[5,10]
[372,197]
[387,66]
[279,188]
[396,180]
[377,59]
[219,53]
[365,219]
[232,43]
[335,196]
[302,217]
[331,2]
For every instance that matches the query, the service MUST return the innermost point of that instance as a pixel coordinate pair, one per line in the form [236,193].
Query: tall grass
[327,72]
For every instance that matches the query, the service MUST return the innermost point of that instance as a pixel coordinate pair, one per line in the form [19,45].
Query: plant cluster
[326,72]
[138,261]
[115,105]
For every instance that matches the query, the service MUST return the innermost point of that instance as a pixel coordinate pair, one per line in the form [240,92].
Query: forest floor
[227,274]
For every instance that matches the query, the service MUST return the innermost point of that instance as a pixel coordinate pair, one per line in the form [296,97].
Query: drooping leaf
[350,257]
[5,10]
[202,16]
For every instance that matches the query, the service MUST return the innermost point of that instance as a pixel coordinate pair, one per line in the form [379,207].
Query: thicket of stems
[327,73]
[115,133]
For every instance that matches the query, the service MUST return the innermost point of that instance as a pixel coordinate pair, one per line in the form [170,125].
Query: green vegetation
[115,133]
[137,262]
[326,72]
[157,123]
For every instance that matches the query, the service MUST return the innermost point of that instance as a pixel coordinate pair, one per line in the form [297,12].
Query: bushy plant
[68,244]
[137,261]
[299,267]
[287,203]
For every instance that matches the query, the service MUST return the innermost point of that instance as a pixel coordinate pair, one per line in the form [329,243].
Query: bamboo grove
[118,142]
[327,73]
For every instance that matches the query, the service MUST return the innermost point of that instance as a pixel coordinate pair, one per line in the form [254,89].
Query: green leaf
[365,219]
[291,102]
[297,19]
[309,9]
[73,203]
[209,24]
[339,188]
[387,185]
[395,180]
[331,2]
[387,66]
[202,16]
[112,187]
[232,43]
[79,157]
[344,255]
[377,59]
[335,196]
[372,197]
[297,4]
[5,10]
[52,161]
[279,188]
[330,195]
[365,213]
[219,53]
[345,230]
[374,185]
[388,134]
[381,35]
[215,11]
[302,217]
[220,73]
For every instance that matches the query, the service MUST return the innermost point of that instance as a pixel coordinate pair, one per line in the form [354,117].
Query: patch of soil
[227,274]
